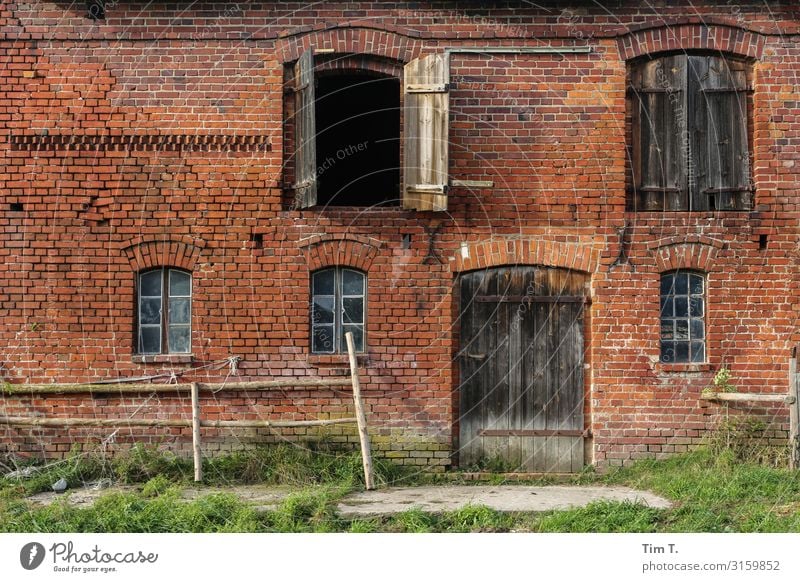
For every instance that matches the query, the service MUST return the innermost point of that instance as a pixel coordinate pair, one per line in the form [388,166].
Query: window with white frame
[338,306]
[683,333]
[164,312]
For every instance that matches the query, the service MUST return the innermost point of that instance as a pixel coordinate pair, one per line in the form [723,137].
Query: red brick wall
[547,129]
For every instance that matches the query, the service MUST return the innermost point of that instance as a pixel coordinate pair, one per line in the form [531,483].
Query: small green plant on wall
[722,380]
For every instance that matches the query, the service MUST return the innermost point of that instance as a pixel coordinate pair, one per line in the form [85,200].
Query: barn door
[521,369]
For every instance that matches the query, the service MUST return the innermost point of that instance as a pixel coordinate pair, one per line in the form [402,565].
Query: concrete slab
[500,498]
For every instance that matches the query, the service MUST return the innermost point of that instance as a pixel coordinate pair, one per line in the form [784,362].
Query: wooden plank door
[521,369]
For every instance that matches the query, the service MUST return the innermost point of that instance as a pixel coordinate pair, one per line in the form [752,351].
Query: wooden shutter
[425,128]
[660,130]
[305,186]
[720,152]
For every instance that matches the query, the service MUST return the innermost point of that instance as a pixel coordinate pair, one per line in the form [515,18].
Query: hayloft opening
[358,140]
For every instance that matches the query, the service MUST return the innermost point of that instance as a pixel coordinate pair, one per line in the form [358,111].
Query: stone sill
[163,359]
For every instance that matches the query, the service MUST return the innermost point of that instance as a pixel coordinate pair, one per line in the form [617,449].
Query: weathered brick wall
[547,129]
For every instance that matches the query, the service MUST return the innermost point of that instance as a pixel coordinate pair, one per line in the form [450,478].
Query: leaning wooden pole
[794,412]
[361,419]
[198,458]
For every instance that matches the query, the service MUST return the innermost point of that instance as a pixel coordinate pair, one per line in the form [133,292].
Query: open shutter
[720,148]
[305,186]
[425,128]
[660,162]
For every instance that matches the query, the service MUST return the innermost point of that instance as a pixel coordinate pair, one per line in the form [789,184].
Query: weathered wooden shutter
[720,154]
[425,127]
[305,186]
[660,131]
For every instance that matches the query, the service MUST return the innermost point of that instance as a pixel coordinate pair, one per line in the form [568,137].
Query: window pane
[150,340]
[696,309]
[667,331]
[696,284]
[150,311]
[358,337]
[698,352]
[179,284]
[698,331]
[353,310]
[352,283]
[666,284]
[322,340]
[682,329]
[179,310]
[667,352]
[322,310]
[681,307]
[323,282]
[666,307]
[681,351]
[681,283]
[150,284]
[179,339]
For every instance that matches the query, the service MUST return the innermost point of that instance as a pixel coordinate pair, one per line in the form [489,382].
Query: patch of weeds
[156,486]
[364,526]
[311,510]
[602,517]
[742,439]
[77,469]
[411,521]
[142,463]
[476,518]
[133,513]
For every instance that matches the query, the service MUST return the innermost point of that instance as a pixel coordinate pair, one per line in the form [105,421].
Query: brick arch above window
[492,253]
[692,36]
[152,251]
[340,250]
[697,255]
[360,41]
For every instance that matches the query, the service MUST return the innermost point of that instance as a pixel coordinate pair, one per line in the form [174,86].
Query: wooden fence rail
[790,399]
[196,422]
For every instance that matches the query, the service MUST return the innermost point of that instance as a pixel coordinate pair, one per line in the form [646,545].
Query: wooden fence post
[363,435]
[198,458]
[794,412]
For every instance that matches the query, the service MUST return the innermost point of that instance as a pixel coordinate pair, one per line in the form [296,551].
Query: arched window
[338,305]
[689,133]
[683,310]
[164,298]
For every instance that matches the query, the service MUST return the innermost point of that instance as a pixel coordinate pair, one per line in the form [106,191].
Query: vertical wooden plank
[361,418]
[198,458]
[426,123]
[472,358]
[553,396]
[305,132]
[541,377]
[697,68]
[740,148]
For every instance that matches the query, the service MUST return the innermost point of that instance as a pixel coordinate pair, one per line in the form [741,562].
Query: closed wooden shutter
[305,185]
[425,141]
[720,153]
[660,134]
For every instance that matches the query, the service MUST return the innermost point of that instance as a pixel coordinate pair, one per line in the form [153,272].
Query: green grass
[713,490]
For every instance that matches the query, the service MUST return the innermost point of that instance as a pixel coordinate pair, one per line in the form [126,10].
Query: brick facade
[156,138]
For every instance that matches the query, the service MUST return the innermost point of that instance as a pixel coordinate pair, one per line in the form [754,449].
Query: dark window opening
[17,207]
[258,240]
[762,242]
[358,140]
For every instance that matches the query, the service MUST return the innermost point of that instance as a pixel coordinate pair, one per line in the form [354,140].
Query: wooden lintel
[744,397]
[472,183]
[533,433]
[532,299]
